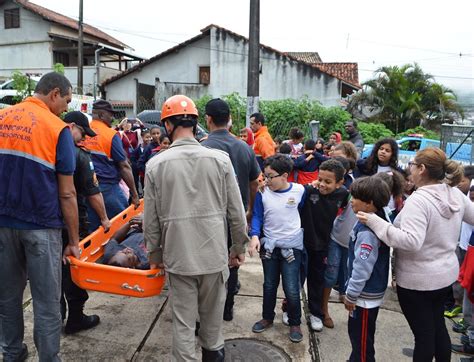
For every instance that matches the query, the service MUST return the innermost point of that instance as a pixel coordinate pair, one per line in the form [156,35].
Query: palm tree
[404,97]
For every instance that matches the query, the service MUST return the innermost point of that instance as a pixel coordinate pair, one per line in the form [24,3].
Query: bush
[282,115]
[372,132]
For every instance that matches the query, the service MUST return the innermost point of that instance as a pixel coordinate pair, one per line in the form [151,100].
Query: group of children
[310,234]
[140,144]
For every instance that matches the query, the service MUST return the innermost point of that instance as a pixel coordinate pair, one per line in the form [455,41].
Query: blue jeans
[36,253]
[114,200]
[336,269]
[290,275]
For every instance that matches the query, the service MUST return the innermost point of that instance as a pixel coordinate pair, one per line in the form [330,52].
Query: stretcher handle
[135,288]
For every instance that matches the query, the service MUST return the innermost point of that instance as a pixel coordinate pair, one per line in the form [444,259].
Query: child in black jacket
[321,207]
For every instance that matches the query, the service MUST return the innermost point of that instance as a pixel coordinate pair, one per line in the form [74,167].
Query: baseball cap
[217,108]
[103,105]
[81,120]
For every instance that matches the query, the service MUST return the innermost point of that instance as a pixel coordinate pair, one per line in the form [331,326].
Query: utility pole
[80,51]
[253,73]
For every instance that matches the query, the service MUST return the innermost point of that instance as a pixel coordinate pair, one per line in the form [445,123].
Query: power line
[244,54]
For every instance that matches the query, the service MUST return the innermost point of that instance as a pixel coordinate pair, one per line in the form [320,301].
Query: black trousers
[232,287]
[317,261]
[424,312]
[361,328]
[71,293]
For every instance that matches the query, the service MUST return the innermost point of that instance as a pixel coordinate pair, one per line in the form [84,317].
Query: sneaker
[463,349]
[81,324]
[296,335]
[453,312]
[460,326]
[284,319]
[261,326]
[316,323]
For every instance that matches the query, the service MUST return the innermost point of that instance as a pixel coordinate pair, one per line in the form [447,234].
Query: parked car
[153,117]
[78,102]
[8,91]
[408,146]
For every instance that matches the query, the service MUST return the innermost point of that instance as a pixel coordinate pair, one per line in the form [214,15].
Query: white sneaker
[316,323]
[284,319]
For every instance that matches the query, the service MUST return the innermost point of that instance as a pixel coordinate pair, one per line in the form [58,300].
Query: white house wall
[28,46]
[179,67]
[279,79]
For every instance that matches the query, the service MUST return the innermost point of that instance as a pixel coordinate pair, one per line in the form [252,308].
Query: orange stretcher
[88,273]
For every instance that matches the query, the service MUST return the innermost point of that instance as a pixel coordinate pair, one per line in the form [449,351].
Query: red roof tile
[70,23]
[348,72]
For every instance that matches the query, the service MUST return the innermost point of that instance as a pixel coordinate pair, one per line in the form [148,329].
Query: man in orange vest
[264,146]
[37,162]
[110,163]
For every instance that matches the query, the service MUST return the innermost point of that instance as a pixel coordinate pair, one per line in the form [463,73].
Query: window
[204,75]
[12,18]
[62,58]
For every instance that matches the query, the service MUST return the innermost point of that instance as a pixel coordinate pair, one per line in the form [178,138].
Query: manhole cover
[243,350]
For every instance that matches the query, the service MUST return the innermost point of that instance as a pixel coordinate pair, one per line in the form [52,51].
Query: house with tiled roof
[34,38]
[214,62]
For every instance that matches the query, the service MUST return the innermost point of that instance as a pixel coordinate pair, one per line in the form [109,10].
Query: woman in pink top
[425,235]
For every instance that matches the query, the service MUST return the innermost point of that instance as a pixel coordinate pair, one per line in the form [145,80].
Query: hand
[315,184]
[254,246]
[157,266]
[105,224]
[310,157]
[136,222]
[363,217]
[136,201]
[349,306]
[236,260]
[71,250]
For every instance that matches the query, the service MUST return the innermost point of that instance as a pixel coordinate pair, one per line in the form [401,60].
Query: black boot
[213,356]
[80,322]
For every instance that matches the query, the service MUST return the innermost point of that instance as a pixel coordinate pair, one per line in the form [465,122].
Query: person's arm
[118,155]
[366,252]
[65,167]
[253,187]
[121,234]
[411,233]
[468,216]
[256,225]
[235,217]
[151,224]
[90,187]
[68,204]
[97,203]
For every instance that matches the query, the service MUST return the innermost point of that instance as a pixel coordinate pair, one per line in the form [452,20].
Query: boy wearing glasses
[276,233]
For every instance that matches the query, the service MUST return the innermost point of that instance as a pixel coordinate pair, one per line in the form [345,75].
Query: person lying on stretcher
[126,248]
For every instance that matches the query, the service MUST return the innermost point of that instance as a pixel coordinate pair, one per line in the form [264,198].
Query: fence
[457,140]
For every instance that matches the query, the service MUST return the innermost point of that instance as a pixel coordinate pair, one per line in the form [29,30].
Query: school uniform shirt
[275,213]
[368,267]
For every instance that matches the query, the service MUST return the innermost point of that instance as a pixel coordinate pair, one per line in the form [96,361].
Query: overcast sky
[369,32]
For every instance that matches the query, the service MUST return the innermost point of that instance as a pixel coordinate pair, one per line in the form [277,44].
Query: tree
[404,97]
[23,85]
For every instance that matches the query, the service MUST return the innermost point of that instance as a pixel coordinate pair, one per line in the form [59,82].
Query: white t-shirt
[391,203]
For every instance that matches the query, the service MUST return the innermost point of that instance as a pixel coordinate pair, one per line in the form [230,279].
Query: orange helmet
[178,105]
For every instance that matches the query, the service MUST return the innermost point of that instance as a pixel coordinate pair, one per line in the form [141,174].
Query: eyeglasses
[271,177]
[83,132]
[412,163]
